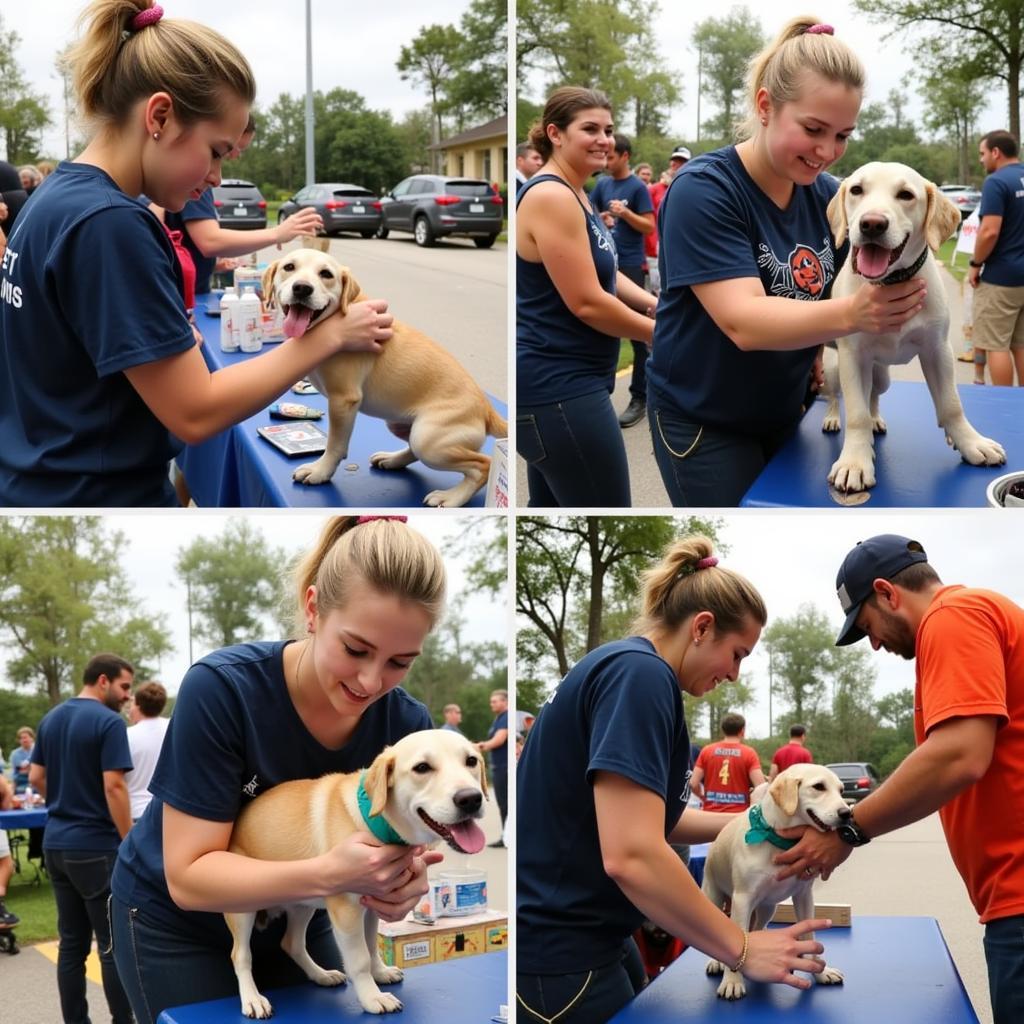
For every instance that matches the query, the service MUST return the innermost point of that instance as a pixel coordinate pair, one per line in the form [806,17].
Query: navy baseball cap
[880,557]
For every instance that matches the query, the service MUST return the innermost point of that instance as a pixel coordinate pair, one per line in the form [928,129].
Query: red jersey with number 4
[727,765]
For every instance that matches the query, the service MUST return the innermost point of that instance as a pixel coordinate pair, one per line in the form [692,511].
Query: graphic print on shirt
[249,789]
[804,274]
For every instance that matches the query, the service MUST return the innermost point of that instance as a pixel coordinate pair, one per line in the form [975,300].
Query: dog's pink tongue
[296,321]
[468,836]
[872,260]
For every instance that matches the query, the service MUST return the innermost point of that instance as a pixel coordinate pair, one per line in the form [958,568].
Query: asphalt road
[454,292]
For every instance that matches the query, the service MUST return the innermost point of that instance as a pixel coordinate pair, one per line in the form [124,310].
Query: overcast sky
[886,63]
[355,46]
[154,540]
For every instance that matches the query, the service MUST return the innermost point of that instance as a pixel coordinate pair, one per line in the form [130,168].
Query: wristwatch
[850,832]
[976,263]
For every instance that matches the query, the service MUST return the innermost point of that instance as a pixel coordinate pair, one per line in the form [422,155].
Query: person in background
[452,718]
[21,758]
[78,765]
[7,919]
[30,177]
[793,752]
[46,168]
[727,770]
[145,739]
[528,162]
[497,745]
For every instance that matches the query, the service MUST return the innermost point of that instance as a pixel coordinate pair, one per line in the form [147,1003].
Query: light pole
[310,175]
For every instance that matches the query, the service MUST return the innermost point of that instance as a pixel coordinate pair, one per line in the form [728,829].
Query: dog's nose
[873,224]
[468,800]
[302,291]
[845,814]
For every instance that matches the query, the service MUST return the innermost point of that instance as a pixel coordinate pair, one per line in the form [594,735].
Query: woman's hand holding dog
[364,328]
[882,308]
[774,955]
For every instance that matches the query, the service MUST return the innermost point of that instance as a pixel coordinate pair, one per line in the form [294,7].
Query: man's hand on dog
[817,854]
[364,328]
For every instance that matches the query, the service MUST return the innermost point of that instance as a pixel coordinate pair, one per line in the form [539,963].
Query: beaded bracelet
[743,956]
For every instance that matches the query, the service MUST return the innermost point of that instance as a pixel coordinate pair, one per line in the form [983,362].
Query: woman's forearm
[609,315]
[770,322]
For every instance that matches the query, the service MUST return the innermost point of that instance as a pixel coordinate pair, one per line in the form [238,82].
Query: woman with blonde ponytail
[103,383]
[604,781]
[744,233]
[257,714]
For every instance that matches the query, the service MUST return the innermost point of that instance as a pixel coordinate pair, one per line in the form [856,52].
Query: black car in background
[859,779]
[343,207]
[434,205]
[239,205]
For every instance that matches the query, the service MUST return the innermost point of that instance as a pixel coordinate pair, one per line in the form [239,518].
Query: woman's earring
[156,136]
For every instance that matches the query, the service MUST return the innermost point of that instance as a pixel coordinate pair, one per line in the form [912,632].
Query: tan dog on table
[894,217]
[739,863]
[419,388]
[430,785]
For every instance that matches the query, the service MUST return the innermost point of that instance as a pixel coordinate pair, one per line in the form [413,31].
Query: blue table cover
[239,469]
[913,464]
[35,818]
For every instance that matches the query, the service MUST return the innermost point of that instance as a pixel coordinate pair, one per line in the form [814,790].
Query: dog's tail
[496,425]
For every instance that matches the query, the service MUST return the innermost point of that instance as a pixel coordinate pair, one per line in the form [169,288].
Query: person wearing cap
[747,262]
[969,728]
[605,776]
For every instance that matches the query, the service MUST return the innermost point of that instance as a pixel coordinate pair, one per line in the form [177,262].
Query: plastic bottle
[28,798]
[228,315]
[248,309]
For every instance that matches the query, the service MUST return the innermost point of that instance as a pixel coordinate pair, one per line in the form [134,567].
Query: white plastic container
[251,317]
[468,891]
[228,315]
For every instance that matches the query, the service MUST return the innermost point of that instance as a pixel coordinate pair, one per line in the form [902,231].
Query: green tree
[23,113]
[64,596]
[704,714]
[992,29]
[898,710]
[233,584]
[430,61]
[726,45]
[479,87]
[800,650]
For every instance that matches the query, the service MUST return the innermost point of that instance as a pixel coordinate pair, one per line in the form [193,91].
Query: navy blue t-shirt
[628,241]
[76,743]
[1002,195]
[499,755]
[235,734]
[618,710]
[715,224]
[558,356]
[195,209]
[89,287]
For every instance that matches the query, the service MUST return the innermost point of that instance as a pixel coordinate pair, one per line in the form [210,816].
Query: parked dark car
[965,197]
[343,207]
[859,779]
[239,205]
[432,206]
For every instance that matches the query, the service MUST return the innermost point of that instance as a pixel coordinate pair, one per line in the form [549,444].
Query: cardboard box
[410,943]
[839,913]
[496,495]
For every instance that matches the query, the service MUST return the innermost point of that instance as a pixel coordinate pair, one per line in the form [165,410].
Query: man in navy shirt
[78,765]
[497,744]
[999,249]
[625,206]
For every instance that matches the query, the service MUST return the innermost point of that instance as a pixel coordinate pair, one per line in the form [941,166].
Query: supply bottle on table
[248,310]
[228,314]
[28,798]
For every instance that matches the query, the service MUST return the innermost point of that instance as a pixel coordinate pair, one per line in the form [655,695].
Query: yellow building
[480,152]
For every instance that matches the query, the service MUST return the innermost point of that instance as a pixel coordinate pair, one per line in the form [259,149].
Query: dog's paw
[829,976]
[257,1007]
[713,968]
[385,975]
[329,979]
[383,1002]
[317,472]
[849,474]
[732,986]
[831,423]
[878,425]
[390,460]
[982,451]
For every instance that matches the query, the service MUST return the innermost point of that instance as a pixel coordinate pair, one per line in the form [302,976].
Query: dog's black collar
[899,276]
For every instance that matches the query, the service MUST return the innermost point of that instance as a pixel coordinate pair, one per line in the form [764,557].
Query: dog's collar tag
[899,276]
[374,822]
[761,832]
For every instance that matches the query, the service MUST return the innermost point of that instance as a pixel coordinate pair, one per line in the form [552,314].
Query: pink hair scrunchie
[821,30]
[372,519]
[707,563]
[150,16]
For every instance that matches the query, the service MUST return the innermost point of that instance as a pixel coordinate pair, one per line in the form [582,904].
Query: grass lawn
[34,904]
[957,269]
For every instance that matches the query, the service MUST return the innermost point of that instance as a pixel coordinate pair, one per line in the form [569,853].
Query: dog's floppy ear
[378,780]
[836,213]
[942,218]
[349,289]
[785,791]
[267,285]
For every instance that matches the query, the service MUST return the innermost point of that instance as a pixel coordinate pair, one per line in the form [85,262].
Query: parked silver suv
[433,205]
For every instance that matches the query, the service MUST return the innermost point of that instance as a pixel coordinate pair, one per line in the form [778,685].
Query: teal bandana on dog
[374,822]
[760,831]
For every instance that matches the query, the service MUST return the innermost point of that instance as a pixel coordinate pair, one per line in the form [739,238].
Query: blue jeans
[574,453]
[81,885]
[706,467]
[161,969]
[595,995]
[1004,953]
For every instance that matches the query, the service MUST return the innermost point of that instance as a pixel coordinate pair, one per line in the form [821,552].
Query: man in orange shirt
[969,726]
[727,770]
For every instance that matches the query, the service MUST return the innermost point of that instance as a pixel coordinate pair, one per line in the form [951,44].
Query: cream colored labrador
[894,218]
[742,871]
[430,785]
[420,389]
